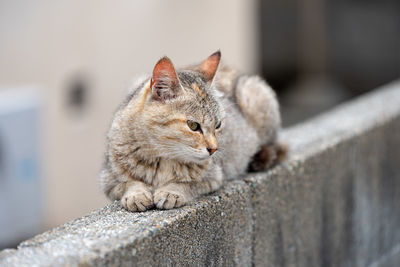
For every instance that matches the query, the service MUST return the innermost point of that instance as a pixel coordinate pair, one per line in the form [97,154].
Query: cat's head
[182,114]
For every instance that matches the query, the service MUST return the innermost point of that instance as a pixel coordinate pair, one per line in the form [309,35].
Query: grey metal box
[20,190]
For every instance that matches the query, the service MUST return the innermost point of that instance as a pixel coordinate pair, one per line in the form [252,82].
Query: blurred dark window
[318,53]
[77,93]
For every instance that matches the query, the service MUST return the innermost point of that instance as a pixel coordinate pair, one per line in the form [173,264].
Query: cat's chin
[195,159]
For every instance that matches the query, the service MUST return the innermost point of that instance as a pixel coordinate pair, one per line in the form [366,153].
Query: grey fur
[152,156]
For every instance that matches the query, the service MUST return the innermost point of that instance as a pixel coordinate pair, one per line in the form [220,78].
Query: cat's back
[252,117]
[239,140]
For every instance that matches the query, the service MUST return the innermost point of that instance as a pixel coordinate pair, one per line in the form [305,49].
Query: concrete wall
[333,203]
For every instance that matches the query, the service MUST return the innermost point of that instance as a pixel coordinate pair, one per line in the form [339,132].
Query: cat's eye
[194,126]
[218,125]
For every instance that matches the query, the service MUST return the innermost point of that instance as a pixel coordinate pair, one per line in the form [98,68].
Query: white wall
[45,43]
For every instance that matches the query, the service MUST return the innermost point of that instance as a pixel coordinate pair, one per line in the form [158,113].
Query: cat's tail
[268,156]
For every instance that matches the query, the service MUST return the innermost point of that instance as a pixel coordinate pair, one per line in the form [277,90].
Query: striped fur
[154,159]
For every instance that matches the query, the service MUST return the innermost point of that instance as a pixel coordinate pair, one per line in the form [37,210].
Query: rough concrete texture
[332,203]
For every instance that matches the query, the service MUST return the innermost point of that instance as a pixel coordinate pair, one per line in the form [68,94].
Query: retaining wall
[334,202]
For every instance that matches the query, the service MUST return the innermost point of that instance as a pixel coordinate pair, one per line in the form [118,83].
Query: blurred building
[318,53]
[83,57]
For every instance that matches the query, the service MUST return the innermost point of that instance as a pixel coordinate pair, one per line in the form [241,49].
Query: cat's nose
[211,150]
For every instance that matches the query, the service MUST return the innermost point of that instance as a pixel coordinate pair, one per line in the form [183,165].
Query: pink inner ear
[210,65]
[164,70]
[164,83]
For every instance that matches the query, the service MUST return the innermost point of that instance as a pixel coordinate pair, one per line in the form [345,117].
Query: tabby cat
[181,133]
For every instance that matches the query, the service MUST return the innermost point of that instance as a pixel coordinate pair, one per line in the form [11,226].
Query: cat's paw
[137,200]
[165,199]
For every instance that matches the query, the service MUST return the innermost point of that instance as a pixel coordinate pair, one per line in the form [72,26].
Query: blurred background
[66,65]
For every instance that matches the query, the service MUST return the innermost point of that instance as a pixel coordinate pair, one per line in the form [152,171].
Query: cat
[182,133]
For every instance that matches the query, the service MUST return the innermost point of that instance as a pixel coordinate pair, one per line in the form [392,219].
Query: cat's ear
[164,82]
[209,66]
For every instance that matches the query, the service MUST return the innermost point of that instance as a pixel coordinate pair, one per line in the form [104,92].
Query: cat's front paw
[166,199]
[137,200]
